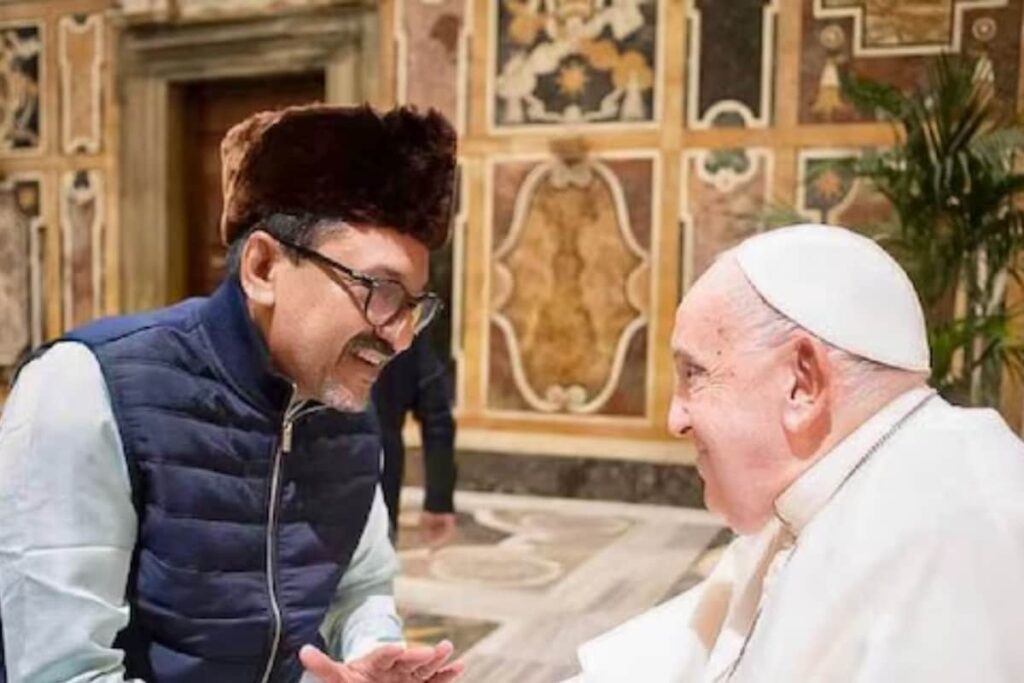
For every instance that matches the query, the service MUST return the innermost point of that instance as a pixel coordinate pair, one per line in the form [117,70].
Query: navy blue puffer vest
[244,530]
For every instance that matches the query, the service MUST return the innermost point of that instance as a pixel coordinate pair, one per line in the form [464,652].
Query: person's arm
[362,630]
[67,524]
[433,411]
[363,615]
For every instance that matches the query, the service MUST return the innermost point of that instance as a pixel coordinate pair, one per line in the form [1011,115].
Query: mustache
[371,342]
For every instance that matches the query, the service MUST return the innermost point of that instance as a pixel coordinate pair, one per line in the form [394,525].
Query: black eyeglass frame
[430,301]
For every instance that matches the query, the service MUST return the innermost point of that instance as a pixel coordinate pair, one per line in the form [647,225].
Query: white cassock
[902,561]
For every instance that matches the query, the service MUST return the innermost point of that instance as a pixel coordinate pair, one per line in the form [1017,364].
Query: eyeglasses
[386,300]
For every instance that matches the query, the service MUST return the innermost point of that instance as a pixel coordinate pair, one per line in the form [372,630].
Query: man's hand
[386,664]
[437,528]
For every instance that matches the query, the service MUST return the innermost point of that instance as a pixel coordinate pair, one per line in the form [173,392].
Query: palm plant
[957,224]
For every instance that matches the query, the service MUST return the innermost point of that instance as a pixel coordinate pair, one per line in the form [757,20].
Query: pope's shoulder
[967,452]
[946,463]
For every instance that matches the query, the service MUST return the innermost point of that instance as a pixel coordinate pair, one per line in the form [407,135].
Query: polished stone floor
[527,579]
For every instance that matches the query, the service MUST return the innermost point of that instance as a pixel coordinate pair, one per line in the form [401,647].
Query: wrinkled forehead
[706,320]
[699,327]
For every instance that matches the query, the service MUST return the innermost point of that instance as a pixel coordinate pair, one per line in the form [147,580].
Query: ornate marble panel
[731,63]
[573,62]
[893,40]
[21,85]
[20,269]
[431,39]
[722,197]
[82,219]
[570,285]
[886,27]
[80,49]
[827,191]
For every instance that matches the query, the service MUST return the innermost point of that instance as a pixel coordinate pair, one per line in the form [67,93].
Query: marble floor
[527,579]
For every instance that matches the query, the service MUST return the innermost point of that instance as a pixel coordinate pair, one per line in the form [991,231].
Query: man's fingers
[318,664]
[442,651]
[414,658]
[384,657]
[449,673]
[422,663]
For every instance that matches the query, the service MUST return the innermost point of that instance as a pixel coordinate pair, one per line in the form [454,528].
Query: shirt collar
[806,496]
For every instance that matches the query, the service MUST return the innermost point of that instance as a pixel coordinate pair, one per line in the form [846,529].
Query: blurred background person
[417,382]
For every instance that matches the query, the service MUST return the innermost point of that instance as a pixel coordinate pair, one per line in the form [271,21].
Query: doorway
[209,110]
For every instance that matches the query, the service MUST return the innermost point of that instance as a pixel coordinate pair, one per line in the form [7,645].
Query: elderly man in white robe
[881,529]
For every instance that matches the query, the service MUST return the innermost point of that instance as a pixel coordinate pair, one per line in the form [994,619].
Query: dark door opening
[210,109]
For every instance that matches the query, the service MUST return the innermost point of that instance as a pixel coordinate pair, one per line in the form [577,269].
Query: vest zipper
[284,447]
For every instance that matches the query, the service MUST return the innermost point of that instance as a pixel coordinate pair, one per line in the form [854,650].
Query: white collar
[806,496]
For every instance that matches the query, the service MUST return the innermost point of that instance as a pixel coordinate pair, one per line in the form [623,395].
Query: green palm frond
[957,224]
[778,214]
[999,145]
[871,97]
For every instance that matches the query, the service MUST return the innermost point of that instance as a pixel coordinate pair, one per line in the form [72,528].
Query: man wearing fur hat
[191,495]
[881,529]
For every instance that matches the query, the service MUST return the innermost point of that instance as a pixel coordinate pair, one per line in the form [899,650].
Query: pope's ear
[809,380]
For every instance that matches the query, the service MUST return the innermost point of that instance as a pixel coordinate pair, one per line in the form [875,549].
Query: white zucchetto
[841,287]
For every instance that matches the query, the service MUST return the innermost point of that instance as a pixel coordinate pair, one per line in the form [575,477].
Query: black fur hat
[393,169]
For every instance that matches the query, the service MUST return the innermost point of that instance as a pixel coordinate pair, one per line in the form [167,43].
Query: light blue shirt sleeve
[68,526]
[362,615]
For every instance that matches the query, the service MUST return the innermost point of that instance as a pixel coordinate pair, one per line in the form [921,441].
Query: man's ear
[260,257]
[806,416]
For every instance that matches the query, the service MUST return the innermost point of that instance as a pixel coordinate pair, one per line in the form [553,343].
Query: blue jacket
[248,516]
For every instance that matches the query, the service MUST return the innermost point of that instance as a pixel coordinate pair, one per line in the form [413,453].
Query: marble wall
[58,172]
[570,260]
[611,149]
[21,265]
[893,40]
